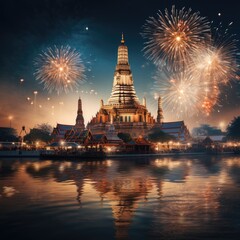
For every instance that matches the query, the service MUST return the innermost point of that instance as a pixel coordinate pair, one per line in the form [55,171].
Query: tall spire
[160,111]
[122,41]
[123,54]
[80,119]
[123,91]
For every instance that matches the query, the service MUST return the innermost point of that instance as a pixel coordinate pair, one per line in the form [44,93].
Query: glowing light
[60,69]
[222,125]
[10,121]
[178,38]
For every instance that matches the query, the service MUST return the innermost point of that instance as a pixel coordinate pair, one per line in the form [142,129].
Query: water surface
[155,198]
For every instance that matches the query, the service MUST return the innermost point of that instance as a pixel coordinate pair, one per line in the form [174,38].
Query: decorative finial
[122,41]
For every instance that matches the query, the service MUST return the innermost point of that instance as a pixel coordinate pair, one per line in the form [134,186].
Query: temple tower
[80,120]
[123,109]
[123,91]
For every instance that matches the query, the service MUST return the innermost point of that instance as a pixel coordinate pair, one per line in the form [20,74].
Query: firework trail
[60,69]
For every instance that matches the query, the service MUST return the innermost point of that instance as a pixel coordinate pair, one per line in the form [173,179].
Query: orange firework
[60,69]
[171,36]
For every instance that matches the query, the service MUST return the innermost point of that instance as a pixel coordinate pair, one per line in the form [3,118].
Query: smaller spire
[80,119]
[122,41]
[160,111]
[144,102]
[101,103]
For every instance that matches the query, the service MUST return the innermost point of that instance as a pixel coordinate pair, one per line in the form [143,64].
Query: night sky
[94,28]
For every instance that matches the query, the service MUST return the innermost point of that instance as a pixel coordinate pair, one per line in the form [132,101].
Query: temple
[123,109]
[123,113]
[69,132]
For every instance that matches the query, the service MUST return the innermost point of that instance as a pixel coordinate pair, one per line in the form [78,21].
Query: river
[148,198]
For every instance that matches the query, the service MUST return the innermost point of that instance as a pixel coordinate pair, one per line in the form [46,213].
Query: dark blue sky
[30,26]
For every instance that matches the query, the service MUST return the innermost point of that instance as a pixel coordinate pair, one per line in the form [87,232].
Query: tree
[126,137]
[206,130]
[45,127]
[157,135]
[42,132]
[8,134]
[233,129]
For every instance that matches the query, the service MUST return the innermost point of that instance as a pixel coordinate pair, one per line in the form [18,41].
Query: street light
[35,99]
[10,121]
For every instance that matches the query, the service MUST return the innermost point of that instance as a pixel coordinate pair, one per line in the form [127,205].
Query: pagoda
[123,109]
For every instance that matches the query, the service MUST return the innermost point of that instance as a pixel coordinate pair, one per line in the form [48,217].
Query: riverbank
[21,153]
[98,155]
[122,155]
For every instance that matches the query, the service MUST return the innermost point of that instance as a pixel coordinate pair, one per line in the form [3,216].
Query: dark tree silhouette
[8,134]
[41,132]
[233,129]
[126,137]
[157,135]
[206,130]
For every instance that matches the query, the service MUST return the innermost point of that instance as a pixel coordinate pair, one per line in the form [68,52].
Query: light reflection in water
[126,199]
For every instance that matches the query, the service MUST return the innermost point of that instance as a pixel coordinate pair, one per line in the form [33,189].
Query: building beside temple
[123,113]
[177,129]
[61,131]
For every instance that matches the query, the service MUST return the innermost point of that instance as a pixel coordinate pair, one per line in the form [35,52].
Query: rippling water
[155,198]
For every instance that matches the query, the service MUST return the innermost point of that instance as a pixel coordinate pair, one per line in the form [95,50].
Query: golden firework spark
[181,93]
[171,36]
[60,69]
[214,64]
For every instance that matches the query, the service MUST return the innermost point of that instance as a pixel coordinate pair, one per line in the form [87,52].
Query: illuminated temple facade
[123,109]
[123,112]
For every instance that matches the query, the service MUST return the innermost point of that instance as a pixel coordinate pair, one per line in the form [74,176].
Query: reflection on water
[164,198]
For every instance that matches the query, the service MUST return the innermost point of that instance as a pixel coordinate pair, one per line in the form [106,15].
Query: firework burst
[60,69]
[181,93]
[215,61]
[214,65]
[171,37]
[194,60]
